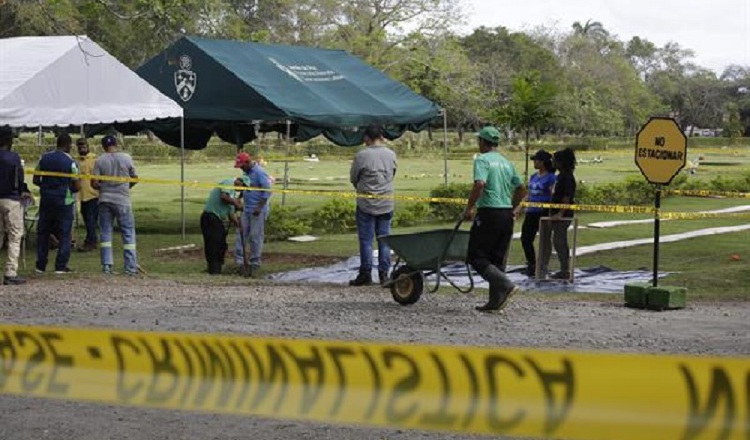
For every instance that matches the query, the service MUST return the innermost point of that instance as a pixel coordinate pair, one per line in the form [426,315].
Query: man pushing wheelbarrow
[497,190]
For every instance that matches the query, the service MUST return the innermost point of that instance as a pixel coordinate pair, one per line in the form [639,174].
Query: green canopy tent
[230,87]
[235,89]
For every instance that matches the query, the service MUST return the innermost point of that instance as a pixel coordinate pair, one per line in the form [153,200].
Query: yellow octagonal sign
[660,150]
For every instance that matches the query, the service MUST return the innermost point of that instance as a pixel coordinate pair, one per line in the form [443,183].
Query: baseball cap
[489,134]
[240,159]
[541,155]
[109,141]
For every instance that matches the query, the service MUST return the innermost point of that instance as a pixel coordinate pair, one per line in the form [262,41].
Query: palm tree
[591,29]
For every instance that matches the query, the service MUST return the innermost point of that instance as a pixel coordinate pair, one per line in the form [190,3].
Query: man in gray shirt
[372,173]
[114,204]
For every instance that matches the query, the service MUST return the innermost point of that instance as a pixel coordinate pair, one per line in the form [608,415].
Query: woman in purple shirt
[540,191]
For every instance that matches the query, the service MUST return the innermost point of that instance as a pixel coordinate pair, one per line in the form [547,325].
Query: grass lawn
[701,264]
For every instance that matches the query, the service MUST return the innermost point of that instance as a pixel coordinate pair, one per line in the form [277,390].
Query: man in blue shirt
[254,213]
[12,189]
[56,204]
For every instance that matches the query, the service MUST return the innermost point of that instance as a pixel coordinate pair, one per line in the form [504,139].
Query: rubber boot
[500,289]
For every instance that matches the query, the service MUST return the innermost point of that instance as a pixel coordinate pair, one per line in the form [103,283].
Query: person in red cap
[254,212]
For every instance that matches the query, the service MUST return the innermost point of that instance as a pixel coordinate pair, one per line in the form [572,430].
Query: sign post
[660,153]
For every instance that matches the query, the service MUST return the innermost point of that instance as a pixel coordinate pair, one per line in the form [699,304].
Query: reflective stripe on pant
[11,220]
[108,213]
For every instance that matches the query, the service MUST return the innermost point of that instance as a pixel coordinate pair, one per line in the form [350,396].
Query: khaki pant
[11,221]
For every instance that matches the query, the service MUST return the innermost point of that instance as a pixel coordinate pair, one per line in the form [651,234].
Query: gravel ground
[326,312]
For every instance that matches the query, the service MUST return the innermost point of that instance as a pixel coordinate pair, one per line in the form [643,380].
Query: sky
[718,31]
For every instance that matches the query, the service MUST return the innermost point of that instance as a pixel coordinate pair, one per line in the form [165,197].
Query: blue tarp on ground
[599,279]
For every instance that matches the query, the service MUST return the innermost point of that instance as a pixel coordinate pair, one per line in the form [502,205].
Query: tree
[530,107]
[642,55]
[375,30]
[440,70]
[593,30]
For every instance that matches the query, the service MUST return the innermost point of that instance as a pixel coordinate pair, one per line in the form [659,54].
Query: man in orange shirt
[88,197]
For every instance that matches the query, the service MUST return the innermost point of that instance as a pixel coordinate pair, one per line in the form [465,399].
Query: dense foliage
[581,81]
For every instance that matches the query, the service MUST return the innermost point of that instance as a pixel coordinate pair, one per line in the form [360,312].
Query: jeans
[57,218]
[558,230]
[214,241]
[90,214]
[529,230]
[11,220]
[254,229]
[108,213]
[370,226]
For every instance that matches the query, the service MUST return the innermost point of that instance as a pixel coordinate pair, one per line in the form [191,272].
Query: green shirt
[218,207]
[500,180]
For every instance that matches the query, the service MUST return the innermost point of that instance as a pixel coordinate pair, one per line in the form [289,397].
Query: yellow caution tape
[349,195]
[615,209]
[500,391]
[594,208]
[709,193]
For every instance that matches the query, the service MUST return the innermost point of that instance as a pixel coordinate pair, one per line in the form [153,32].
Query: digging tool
[245,262]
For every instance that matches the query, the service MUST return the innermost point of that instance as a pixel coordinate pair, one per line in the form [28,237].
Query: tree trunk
[526,172]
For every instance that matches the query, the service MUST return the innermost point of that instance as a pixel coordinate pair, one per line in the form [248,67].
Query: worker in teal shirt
[497,190]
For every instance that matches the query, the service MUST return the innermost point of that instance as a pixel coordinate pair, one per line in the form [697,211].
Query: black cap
[6,134]
[541,155]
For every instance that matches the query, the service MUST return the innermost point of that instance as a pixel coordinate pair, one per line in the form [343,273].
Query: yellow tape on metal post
[520,392]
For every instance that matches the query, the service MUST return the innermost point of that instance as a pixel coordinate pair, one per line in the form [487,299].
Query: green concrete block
[666,297]
[635,295]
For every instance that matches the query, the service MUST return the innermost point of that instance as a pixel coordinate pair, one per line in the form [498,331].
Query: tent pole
[182,175]
[445,145]
[286,160]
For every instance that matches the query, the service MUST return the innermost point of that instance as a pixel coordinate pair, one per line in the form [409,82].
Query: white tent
[70,80]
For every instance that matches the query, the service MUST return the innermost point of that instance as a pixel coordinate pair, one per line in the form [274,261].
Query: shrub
[633,191]
[338,215]
[412,214]
[449,211]
[284,222]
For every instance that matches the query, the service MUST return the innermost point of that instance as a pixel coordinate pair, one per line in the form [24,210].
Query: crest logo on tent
[185,80]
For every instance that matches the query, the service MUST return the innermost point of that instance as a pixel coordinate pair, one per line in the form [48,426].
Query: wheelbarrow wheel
[407,286]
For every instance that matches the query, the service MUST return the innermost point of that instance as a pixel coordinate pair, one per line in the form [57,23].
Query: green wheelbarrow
[422,254]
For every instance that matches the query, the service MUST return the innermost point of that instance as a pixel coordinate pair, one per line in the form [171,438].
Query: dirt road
[326,312]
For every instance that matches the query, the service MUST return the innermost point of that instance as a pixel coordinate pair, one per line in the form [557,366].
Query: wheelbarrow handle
[458,224]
